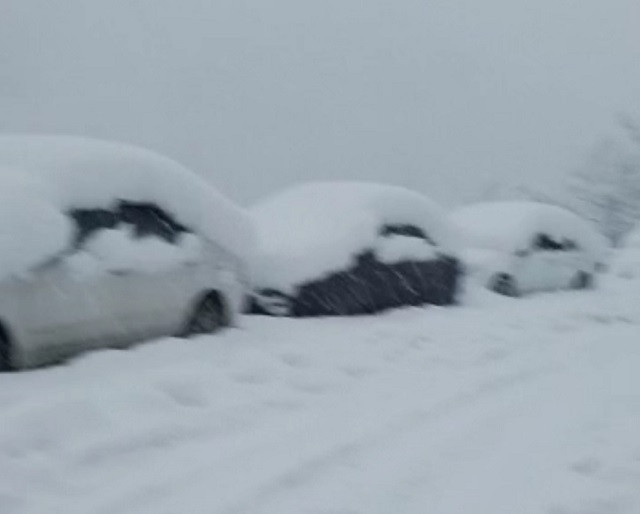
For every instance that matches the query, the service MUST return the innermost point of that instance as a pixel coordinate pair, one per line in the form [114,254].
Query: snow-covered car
[625,262]
[103,245]
[520,247]
[341,248]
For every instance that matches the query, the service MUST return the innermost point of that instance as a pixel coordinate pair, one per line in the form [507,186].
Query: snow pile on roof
[313,229]
[510,226]
[44,176]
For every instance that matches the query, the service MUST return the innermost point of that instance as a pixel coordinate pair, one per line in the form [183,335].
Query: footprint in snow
[357,371]
[598,506]
[310,386]
[493,355]
[295,360]
[254,376]
[589,466]
[185,394]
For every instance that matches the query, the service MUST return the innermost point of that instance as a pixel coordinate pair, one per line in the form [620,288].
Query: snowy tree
[606,189]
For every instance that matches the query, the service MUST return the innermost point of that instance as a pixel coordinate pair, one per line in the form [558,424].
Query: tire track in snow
[257,457]
[310,470]
[504,455]
[307,456]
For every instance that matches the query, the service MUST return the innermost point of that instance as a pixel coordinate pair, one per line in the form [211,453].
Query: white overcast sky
[445,96]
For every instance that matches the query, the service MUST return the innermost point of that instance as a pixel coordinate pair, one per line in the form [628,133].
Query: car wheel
[582,280]
[208,317]
[6,363]
[272,303]
[505,285]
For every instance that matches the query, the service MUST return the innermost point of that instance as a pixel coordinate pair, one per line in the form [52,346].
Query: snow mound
[511,226]
[42,177]
[316,228]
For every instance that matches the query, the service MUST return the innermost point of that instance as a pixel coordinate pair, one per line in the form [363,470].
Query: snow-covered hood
[42,177]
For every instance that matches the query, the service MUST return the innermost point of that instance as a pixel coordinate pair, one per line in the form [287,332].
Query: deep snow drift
[500,406]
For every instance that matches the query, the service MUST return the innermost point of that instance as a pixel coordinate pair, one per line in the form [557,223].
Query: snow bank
[313,229]
[511,226]
[44,176]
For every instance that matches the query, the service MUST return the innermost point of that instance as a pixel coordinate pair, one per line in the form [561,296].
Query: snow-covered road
[497,407]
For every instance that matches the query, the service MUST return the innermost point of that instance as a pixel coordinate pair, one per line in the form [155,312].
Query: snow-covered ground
[500,406]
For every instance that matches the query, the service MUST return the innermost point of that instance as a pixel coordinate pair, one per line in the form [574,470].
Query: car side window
[90,221]
[406,230]
[146,219]
[545,243]
[150,220]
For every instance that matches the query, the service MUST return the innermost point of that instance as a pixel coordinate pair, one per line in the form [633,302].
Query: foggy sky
[445,96]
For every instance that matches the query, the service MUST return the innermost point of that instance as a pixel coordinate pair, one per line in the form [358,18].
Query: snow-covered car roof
[42,177]
[509,226]
[311,229]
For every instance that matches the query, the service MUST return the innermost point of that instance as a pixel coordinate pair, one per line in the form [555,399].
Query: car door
[127,301]
[66,310]
[154,275]
[573,261]
[530,270]
[155,301]
[548,263]
[563,259]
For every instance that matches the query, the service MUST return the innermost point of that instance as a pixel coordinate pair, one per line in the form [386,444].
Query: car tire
[208,317]
[582,280]
[505,285]
[6,361]
[272,303]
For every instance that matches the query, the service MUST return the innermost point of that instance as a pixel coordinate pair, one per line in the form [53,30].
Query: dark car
[346,248]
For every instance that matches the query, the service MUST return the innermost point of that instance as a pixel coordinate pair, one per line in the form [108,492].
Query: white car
[520,247]
[103,245]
